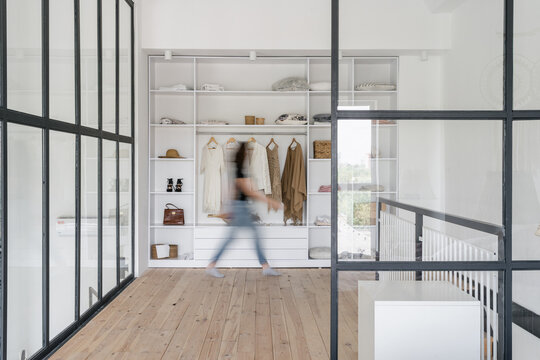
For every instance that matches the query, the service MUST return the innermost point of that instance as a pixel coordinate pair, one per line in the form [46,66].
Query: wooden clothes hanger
[212,140]
[293,142]
[231,140]
[270,143]
[252,140]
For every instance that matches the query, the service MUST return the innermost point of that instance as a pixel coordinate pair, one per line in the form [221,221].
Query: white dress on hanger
[212,166]
[258,168]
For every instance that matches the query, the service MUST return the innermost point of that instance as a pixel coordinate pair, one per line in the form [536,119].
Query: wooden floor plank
[186,314]
[212,341]
[246,336]
[314,340]
[229,343]
[263,329]
[299,347]
[280,337]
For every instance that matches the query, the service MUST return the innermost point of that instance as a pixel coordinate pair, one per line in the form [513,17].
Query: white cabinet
[417,320]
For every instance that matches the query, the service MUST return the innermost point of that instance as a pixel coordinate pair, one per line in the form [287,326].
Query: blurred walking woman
[241,215]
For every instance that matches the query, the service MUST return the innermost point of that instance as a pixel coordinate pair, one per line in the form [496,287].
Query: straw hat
[172,153]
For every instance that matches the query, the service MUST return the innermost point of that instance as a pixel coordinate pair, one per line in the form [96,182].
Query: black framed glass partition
[435,180]
[67,166]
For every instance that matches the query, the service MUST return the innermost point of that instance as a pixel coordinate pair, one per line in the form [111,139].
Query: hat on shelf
[172,153]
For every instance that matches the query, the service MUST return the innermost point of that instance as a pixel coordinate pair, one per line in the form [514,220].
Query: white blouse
[258,168]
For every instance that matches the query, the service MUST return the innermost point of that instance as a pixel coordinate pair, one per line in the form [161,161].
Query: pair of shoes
[270,272]
[170,185]
[214,272]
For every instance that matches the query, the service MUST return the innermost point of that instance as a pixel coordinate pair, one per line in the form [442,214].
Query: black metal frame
[505,264]
[46,124]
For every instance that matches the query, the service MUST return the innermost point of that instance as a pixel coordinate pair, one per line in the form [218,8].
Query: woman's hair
[240,157]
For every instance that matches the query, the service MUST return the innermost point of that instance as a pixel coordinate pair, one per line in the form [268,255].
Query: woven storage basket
[173,251]
[250,120]
[259,121]
[322,149]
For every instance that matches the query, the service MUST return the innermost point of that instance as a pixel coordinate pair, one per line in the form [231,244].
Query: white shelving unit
[248,92]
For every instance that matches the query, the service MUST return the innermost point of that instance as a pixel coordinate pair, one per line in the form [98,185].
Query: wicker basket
[259,121]
[250,119]
[322,149]
[173,251]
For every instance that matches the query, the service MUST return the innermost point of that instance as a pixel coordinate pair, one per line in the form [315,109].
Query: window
[67,209]
[437,181]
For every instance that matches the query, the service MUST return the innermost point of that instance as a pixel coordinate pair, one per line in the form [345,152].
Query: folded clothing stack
[291,119]
[177,87]
[291,84]
[373,86]
[322,119]
[325,188]
[214,122]
[212,87]
[170,121]
[322,220]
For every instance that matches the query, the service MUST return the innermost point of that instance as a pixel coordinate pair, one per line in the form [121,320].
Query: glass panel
[89,65]
[455,313]
[526,191]
[125,69]
[62,61]
[24,56]
[443,59]
[126,208]
[89,222]
[453,167]
[526,55]
[109,215]
[62,231]
[109,65]
[24,250]
[525,314]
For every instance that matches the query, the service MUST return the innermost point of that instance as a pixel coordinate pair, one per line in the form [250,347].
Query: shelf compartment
[251,92]
[173,126]
[252,129]
[172,227]
[172,92]
[375,92]
[169,159]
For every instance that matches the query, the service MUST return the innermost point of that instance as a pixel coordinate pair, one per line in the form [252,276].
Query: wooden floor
[185,314]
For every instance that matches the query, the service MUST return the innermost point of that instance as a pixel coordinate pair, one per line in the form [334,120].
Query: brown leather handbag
[173,215]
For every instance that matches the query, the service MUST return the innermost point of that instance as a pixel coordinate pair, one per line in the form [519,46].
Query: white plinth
[417,320]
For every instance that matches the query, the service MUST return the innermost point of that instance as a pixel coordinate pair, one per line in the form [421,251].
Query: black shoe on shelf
[170,185]
[178,185]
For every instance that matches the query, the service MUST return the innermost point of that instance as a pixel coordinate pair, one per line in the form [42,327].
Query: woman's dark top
[240,175]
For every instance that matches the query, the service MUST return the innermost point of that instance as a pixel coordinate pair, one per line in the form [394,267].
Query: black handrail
[453,219]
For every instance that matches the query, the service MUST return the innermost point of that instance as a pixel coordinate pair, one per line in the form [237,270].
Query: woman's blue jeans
[241,218]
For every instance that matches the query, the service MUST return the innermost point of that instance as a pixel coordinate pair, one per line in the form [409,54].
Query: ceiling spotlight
[252,55]
[168,55]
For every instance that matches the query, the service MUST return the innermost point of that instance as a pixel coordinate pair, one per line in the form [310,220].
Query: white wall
[290,25]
